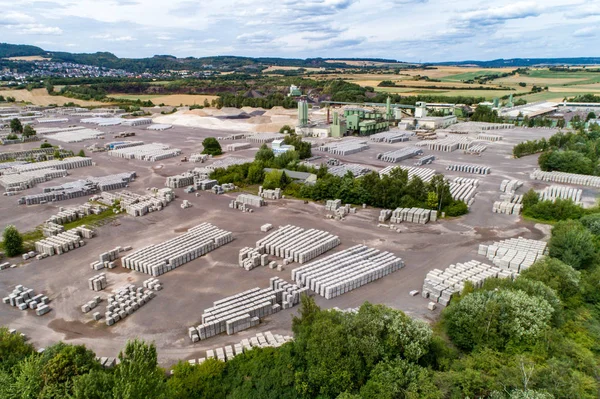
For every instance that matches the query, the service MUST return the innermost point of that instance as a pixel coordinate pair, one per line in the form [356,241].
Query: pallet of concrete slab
[249,199]
[476,169]
[136,204]
[342,170]
[98,282]
[148,152]
[50,229]
[345,147]
[227,162]
[137,122]
[263,138]
[234,136]
[161,258]
[446,145]
[25,180]
[488,137]
[182,180]
[552,193]
[118,145]
[426,160]
[35,154]
[392,136]
[509,186]
[476,149]
[569,178]
[270,194]
[399,155]
[25,298]
[64,242]
[67,215]
[515,254]
[346,270]
[413,215]
[196,157]
[245,310]
[507,208]
[107,259]
[260,340]
[296,244]
[76,136]
[159,127]
[65,164]
[424,174]
[463,189]
[125,302]
[384,215]
[64,192]
[237,147]
[440,285]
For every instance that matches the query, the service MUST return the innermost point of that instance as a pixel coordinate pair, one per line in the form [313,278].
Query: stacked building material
[346,270]
[147,152]
[345,147]
[52,229]
[244,310]
[393,136]
[227,162]
[476,169]
[90,305]
[125,302]
[136,204]
[399,155]
[66,164]
[440,285]
[136,122]
[270,194]
[385,215]
[413,215]
[152,284]
[488,137]
[249,199]
[463,189]
[343,169]
[552,193]
[237,147]
[332,205]
[476,149]
[197,157]
[26,154]
[295,244]
[76,136]
[25,180]
[161,258]
[424,174]
[426,160]
[205,184]
[515,254]
[25,298]
[507,207]
[107,259]
[159,127]
[447,145]
[263,138]
[182,180]
[64,242]
[569,178]
[67,215]
[266,227]
[509,186]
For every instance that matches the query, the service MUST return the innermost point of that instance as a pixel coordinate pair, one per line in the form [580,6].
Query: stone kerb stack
[399,155]
[463,189]
[237,147]
[515,254]
[147,152]
[439,286]
[569,178]
[413,215]
[198,158]
[426,160]
[26,180]
[25,298]
[509,186]
[488,137]
[552,193]
[98,282]
[66,164]
[161,258]
[270,194]
[264,138]
[125,302]
[476,169]
[391,137]
[249,199]
[63,242]
[346,270]
[347,147]
[424,174]
[447,145]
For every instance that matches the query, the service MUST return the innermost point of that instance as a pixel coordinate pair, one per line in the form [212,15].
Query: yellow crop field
[41,97]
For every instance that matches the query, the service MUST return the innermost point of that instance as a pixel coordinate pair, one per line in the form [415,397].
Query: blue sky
[407,30]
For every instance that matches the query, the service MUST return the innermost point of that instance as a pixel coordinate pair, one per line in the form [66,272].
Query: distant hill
[19,50]
[524,62]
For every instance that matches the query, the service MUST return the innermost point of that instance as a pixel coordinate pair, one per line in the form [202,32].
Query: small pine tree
[12,240]
[81,153]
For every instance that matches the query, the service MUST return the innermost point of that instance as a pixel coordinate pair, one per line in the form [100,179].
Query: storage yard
[208,298]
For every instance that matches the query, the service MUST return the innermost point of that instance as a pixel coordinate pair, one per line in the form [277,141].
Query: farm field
[171,99]
[41,97]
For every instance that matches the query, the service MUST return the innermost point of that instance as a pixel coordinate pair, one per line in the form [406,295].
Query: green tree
[530,198]
[57,154]
[203,381]
[28,378]
[272,180]
[211,146]
[12,241]
[592,223]
[400,379]
[16,126]
[284,180]
[432,200]
[62,363]
[590,115]
[97,384]
[264,154]
[81,153]
[29,131]
[573,244]
[138,375]
[557,275]
[13,349]
[256,173]
[286,129]
[46,145]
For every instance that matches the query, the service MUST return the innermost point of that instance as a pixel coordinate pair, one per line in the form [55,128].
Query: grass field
[172,99]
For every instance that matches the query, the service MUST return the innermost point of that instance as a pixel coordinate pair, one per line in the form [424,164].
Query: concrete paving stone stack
[67,215]
[137,122]
[252,200]
[50,229]
[205,184]
[426,160]
[463,190]
[182,180]
[227,162]
[296,244]
[98,282]
[5,265]
[515,254]
[424,174]
[260,340]
[356,170]
[26,180]
[488,137]
[76,136]
[65,164]
[136,204]
[234,204]
[237,147]
[152,284]
[446,145]
[399,155]
[264,138]
[508,186]
[413,215]
[25,298]
[266,227]
[384,215]
[476,149]
[568,178]
[392,136]
[345,147]
[161,258]
[440,285]
[148,152]
[198,158]
[333,205]
[246,309]
[90,305]
[476,169]
[552,193]
[7,156]
[270,194]
[123,144]
[346,270]
[64,242]
[125,302]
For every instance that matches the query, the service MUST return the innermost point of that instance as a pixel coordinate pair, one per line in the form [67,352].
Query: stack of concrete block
[147,152]
[52,229]
[392,136]
[270,194]
[466,181]
[295,244]
[161,258]
[509,186]
[152,284]
[66,164]
[488,137]
[197,157]
[399,155]
[29,255]
[333,205]
[182,180]
[413,215]
[205,184]
[426,160]
[343,169]
[137,122]
[463,190]
[89,306]
[237,147]
[234,136]
[136,204]
[260,340]
[249,258]
[25,298]
[67,215]
[113,182]
[552,193]
[245,310]
[5,265]
[346,270]
[440,285]
[515,254]
[384,215]
[266,227]
[107,259]
[507,208]
[227,162]
[476,149]
[424,174]
[185,204]
[446,145]
[476,169]
[122,144]
[98,282]
[26,154]
[25,180]
[76,136]
[569,178]
[234,204]
[345,147]
[263,138]
[64,242]
[125,302]
[107,362]
[249,199]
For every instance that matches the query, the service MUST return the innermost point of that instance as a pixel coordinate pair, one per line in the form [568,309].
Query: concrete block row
[343,169]
[569,178]
[488,137]
[65,164]
[426,160]
[161,258]
[26,180]
[507,208]
[297,244]
[266,227]
[345,147]
[552,193]
[463,190]
[399,155]
[346,270]
[98,282]
[76,136]
[249,199]
[197,157]
[152,284]
[270,194]
[392,136]
[413,215]
[424,174]
[237,147]
[476,149]
[234,204]
[476,169]
[87,307]
[64,242]
[148,152]
[515,254]
[508,186]
[384,215]
[227,162]
[136,204]
[125,302]
[446,145]
[263,138]
[67,215]
[25,298]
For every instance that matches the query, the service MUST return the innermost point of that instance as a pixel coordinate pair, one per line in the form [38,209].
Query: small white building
[279,148]
[436,122]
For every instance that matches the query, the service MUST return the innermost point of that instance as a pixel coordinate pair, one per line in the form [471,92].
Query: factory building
[279,148]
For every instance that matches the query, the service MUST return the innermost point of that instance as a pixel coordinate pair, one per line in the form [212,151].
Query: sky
[405,30]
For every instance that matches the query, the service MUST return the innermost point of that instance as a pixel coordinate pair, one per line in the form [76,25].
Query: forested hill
[524,62]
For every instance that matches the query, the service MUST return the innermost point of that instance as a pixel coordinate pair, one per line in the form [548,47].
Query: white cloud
[37,29]
[588,31]
[110,38]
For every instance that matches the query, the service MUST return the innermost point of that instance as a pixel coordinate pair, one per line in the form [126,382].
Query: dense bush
[551,211]
[573,244]
[211,146]
[12,242]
